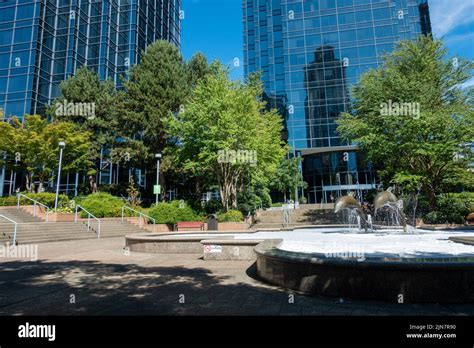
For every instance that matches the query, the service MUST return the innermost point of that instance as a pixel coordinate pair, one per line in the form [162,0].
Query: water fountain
[355,213]
[397,262]
[368,260]
[386,206]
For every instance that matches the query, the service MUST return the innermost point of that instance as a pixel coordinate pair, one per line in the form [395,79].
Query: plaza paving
[98,277]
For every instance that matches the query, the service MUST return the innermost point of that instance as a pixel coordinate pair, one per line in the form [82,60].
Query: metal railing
[286,215]
[15,224]
[35,204]
[141,216]
[89,216]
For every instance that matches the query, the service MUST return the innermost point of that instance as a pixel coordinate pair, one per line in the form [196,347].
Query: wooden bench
[189,226]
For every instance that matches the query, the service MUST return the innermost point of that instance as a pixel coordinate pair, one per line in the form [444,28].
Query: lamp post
[158,157]
[62,145]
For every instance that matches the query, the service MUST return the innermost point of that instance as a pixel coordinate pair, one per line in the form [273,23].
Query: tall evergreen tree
[156,88]
[99,100]
[197,68]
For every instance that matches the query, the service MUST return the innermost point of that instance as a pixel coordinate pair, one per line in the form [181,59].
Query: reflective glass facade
[310,53]
[42,42]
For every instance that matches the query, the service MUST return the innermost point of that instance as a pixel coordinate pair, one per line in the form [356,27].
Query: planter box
[232,226]
[149,227]
[61,217]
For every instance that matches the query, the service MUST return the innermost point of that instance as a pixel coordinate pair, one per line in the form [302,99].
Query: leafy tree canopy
[411,117]
[34,147]
[225,133]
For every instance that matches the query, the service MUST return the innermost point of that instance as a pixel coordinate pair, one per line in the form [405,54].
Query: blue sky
[214,27]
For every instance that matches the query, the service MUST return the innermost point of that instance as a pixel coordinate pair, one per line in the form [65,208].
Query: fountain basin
[427,266]
[432,279]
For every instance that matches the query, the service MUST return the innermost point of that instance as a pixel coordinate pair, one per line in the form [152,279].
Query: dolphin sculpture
[345,202]
[349,202]
[383,198]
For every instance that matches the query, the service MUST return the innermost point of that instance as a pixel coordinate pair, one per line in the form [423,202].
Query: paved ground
[97,277]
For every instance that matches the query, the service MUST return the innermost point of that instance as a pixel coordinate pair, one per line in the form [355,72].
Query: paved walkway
[99,278]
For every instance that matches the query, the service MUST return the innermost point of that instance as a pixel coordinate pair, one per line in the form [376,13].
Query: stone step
[52,227]
[41,232]
[54,235]
[46,239]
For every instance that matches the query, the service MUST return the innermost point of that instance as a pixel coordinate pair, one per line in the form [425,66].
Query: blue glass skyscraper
[310,53]
[42,42]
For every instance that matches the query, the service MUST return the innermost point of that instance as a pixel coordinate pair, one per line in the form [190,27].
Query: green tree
[196,69]
[157,87]
[288,176]
[225,133]
[422,137]
[33,147]
[98,113]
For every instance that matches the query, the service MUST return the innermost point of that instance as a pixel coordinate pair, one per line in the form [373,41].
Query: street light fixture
[62,145]
[158,157]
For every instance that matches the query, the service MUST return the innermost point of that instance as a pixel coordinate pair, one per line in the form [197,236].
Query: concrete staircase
[32,230]
[304,216]
[18,215]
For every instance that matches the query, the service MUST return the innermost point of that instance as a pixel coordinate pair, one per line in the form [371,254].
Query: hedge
[46,198]
[231,216]
[173,212]
[101,205]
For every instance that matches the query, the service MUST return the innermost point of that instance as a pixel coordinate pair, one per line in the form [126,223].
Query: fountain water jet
[356,213]
[387,200]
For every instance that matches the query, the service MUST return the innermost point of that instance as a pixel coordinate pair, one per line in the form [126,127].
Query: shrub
[101,205]
[467,198]
[45,198]
[231,216]
[434,217]
[451,209]
[173,212]
[48,199]
[302,200]
[266,198]
[9,201]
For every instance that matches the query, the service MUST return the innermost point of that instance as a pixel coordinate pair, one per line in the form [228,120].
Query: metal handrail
[89,216]
[34,205]
[286,216]
[141,215]
[15,227]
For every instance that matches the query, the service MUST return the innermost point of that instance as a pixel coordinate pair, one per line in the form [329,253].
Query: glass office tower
[310,53]
[42,42]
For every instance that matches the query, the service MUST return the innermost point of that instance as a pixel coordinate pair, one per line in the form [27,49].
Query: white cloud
[446,15]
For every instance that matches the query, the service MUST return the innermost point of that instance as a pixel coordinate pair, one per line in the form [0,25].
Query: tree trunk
[431,195]
[30,187]
[92,184]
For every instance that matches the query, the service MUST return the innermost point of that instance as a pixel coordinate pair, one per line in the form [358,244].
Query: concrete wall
[224,249]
